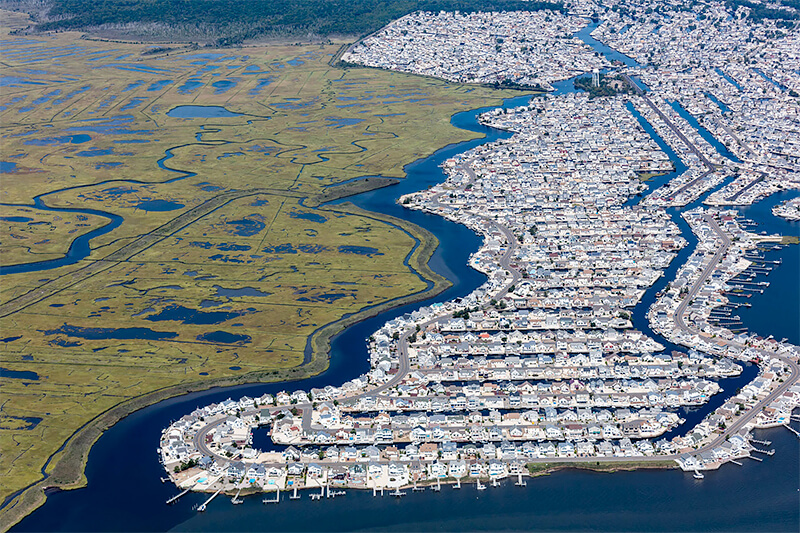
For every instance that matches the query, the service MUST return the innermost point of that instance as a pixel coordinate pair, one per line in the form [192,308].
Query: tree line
[244,19]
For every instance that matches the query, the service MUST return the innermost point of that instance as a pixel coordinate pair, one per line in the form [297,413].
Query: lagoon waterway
[124,492]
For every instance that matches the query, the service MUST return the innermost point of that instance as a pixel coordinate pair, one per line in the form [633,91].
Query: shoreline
[70,475]
[78,445]
[532,470]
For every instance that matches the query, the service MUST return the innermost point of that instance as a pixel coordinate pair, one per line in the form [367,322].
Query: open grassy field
[221,263]
[543,469]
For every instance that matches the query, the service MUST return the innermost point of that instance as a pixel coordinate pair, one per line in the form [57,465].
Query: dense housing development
[546,362]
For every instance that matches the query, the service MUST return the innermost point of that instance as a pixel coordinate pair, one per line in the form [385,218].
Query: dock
[765,452]
[205,503]
[177,497]
[277,497]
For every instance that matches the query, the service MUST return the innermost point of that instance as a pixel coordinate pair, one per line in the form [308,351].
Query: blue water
[262,82]
[78,249]
[313,217]
[96,152]
[185,315]
[238,293]
[66,139]
[728,78]
[111,333]
[610,53]
[159,205]
[704,133]
[339,122]
[7,167]
[224,337]
[200,111]
[133,103]
[190,86]
[722,107]
[773,82]
[369,251]
[132,86]
[777,311]
[223,86]
[158,85]
[754,497]
[18,374]
[15,81]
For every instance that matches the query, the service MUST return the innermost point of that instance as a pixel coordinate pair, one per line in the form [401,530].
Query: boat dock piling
[520,482]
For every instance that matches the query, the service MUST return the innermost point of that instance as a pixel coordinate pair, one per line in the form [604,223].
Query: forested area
[238,20]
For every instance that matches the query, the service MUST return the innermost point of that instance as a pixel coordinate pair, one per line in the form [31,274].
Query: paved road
[404,365]
[680,321]
[669,123]
[746,188]
[710,166]
[403,341]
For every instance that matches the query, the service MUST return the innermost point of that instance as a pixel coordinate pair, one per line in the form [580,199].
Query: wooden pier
[177,497]
[765,452]
[277,497]
[790,428]
[204,505]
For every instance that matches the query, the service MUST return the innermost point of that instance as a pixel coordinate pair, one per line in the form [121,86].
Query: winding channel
[80,247]
[122,471]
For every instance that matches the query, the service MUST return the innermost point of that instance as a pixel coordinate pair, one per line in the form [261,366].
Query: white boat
[481,486]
